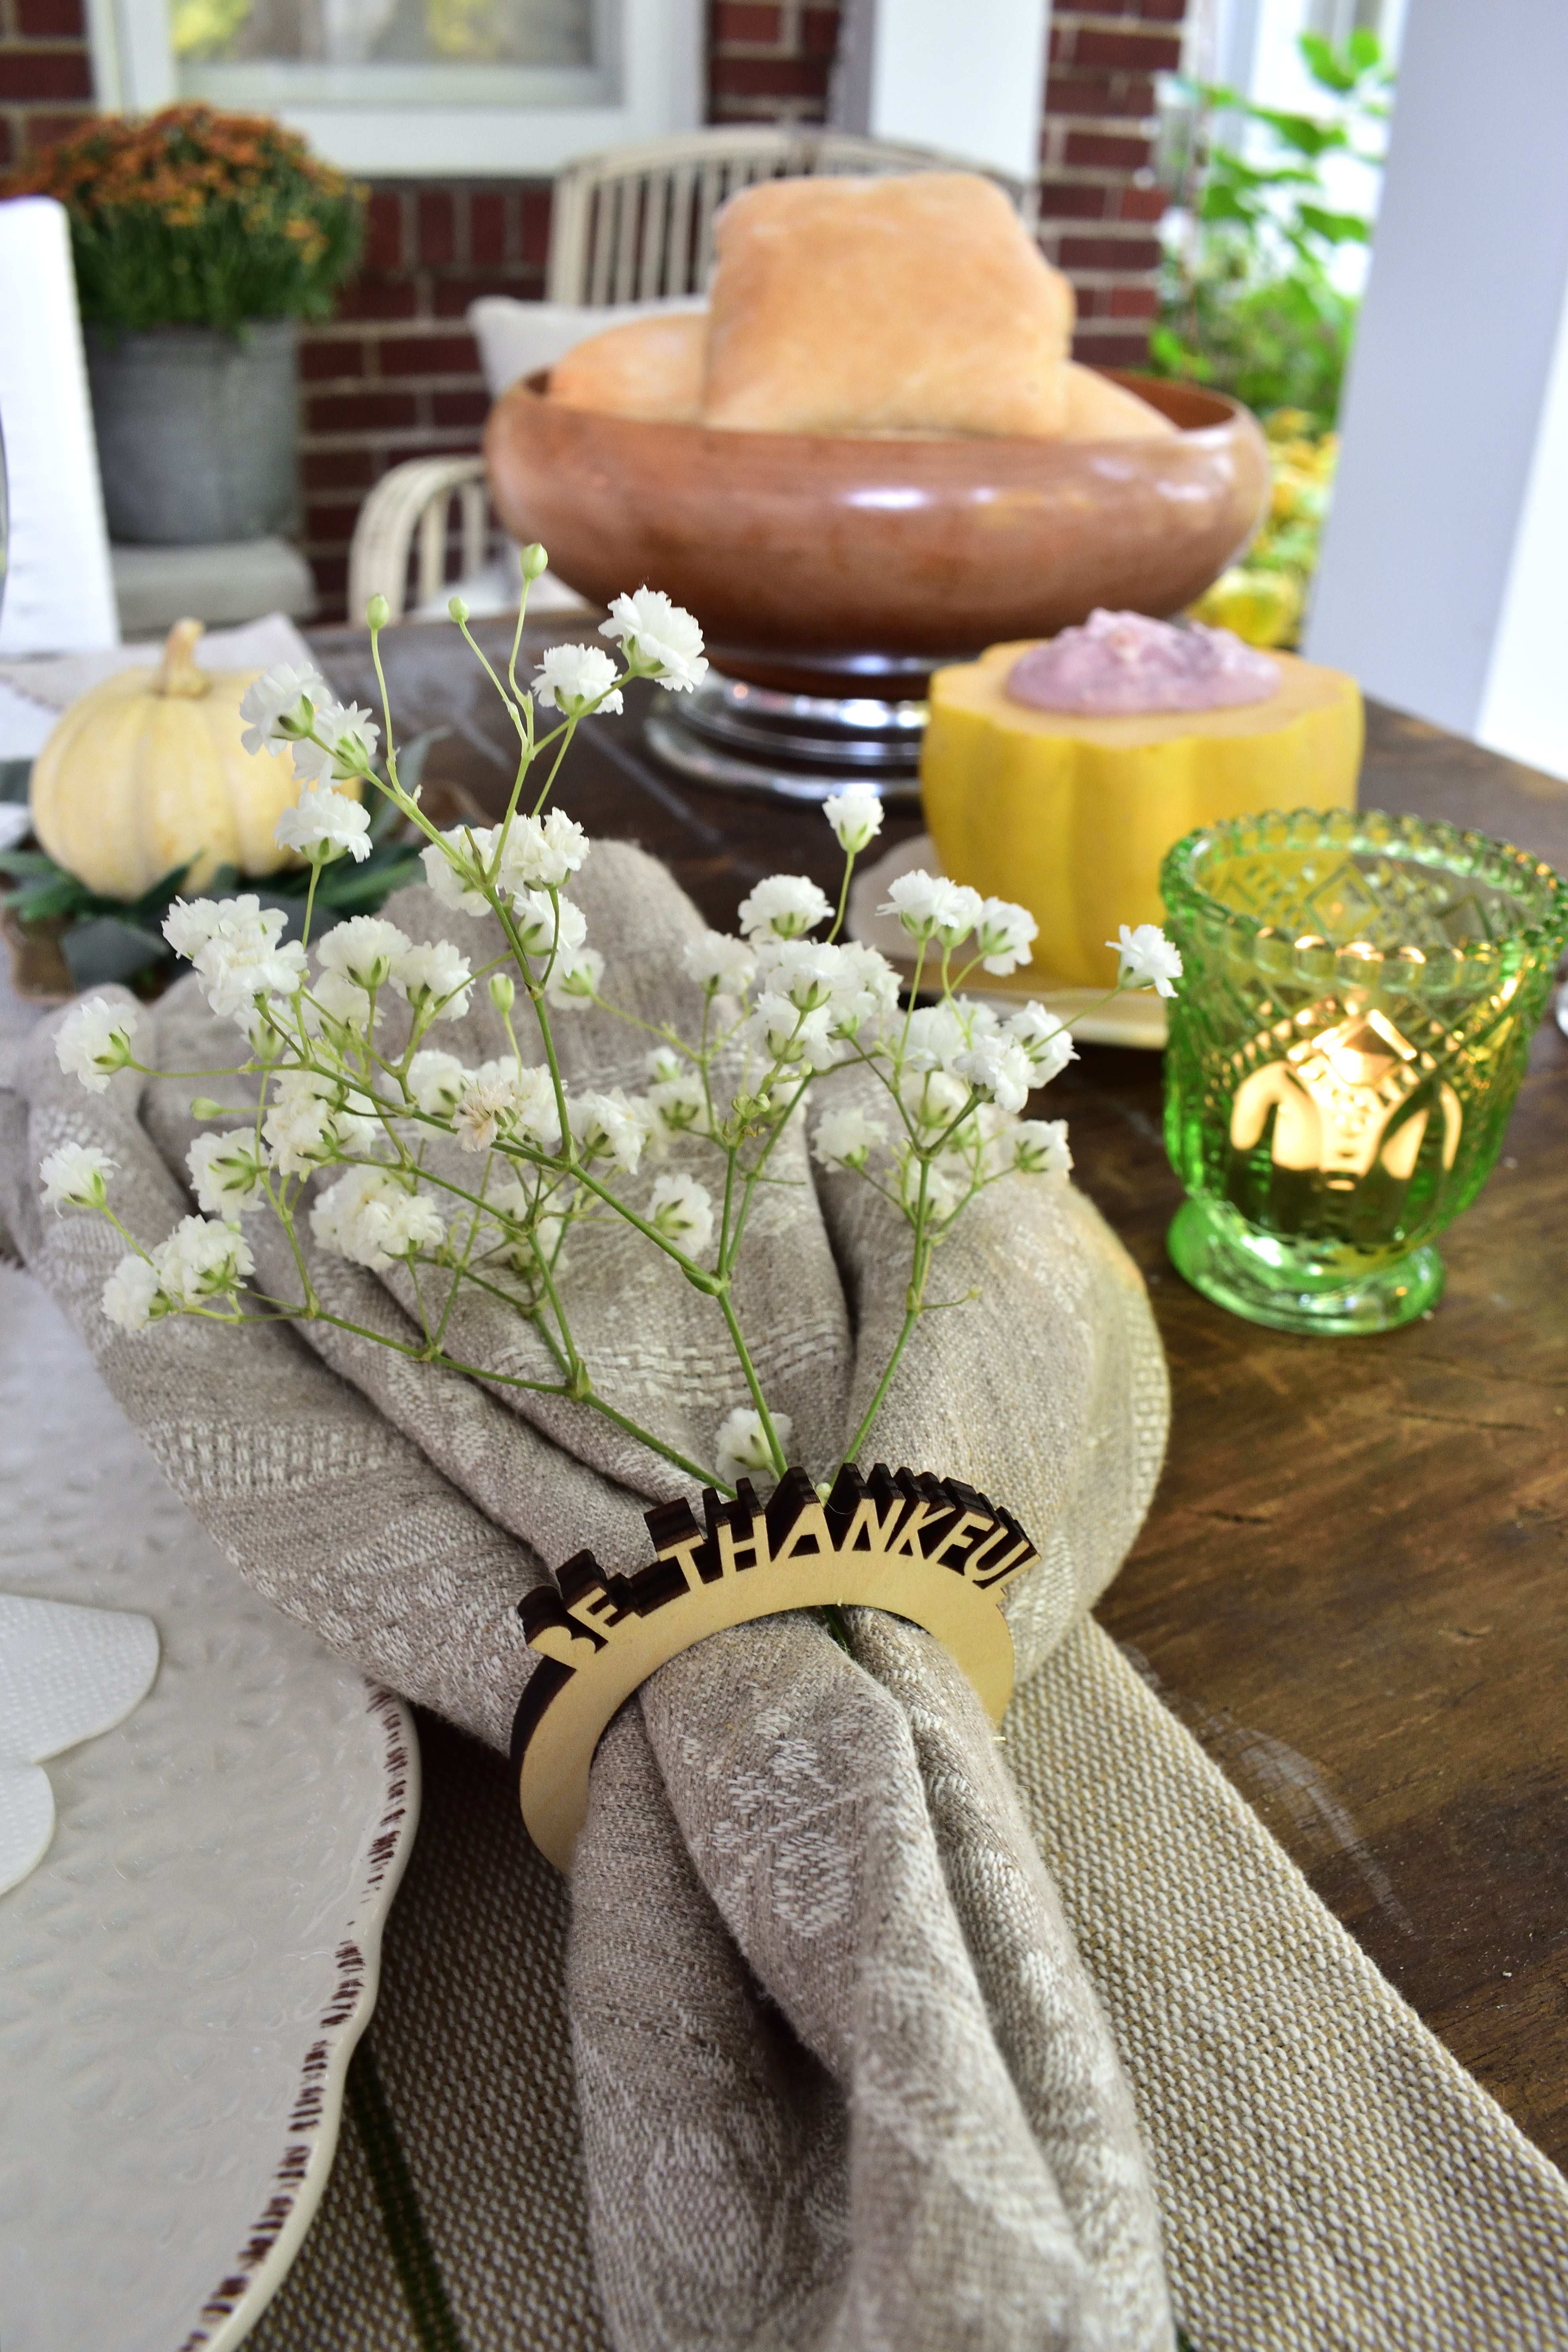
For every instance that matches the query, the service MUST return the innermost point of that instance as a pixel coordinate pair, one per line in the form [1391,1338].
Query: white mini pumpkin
[147,771]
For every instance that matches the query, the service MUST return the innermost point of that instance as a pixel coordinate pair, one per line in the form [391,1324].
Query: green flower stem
[128,1238]
[285,1209]
[654,1029]
[914,1306]
[930,1151]
[752,1175]
[843,896]
[696,1275]
[566,734]
[311,899]
[575,1368]
[536,996]
[920,946]
[518,694]
[677,1460]
[731,1154]
[462,1271]
[510,706]
[744,1355]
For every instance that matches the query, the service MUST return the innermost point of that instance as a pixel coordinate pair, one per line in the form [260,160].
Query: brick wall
[395,373]
[1099,208]
[46,75]
[770,64]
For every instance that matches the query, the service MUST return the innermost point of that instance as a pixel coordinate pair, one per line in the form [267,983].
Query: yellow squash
[1071,817]
[148,771]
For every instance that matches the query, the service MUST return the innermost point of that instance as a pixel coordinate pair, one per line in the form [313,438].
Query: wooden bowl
[830,565]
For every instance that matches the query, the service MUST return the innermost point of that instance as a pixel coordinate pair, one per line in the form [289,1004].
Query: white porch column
[1442,585]
[929,74]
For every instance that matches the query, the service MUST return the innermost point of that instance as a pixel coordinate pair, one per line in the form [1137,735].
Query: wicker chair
[633,224]
[636,223]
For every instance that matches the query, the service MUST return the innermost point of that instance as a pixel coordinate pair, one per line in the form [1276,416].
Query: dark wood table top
[1350,1586]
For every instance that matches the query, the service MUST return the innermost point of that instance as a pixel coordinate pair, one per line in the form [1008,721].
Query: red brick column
[45,76]
[396,374]
[770,63]
[1099,208]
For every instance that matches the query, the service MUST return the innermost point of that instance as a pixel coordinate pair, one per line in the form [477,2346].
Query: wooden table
[1351,1585]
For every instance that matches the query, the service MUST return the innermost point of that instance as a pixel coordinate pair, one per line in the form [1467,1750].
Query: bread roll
[911,303]
[1098,410]
[648,368]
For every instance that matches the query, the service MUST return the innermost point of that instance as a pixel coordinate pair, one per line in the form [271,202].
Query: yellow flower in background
[1263,608]
[1264,597]
[466,29]
[201,28]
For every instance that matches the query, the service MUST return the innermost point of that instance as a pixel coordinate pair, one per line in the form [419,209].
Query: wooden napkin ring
[931,1549]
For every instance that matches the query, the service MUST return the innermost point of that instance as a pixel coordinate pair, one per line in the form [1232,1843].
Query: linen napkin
[833,2089]
[842,2077]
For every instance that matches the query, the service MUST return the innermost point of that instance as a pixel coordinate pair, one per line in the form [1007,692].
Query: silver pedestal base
[739,737]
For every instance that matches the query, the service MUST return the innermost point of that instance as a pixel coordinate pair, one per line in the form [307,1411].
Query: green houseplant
[200,240]
[1250,302]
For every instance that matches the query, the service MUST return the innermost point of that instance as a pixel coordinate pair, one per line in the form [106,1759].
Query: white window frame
[647,84]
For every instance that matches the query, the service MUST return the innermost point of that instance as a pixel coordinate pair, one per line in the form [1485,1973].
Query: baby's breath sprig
[476,1176]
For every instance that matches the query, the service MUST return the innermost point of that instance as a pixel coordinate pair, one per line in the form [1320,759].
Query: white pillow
[515,339]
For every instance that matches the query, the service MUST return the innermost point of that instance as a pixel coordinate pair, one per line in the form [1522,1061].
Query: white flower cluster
[240,954]
[373,1216]
[529,854]
[200,1264]
[367,958]
[574,679]
[964,1075]
[287,707]
[743,1443]
[930,908]
[229,1172]
[1147,958]
[322,823]
[93,1041]
[294,708]
[77,1176]
[317,1117]
[659,640]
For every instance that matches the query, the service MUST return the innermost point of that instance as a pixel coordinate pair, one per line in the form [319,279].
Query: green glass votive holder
[1358,996]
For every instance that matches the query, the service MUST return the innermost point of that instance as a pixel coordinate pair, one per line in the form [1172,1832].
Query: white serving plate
[185,1975]
[1130,1019]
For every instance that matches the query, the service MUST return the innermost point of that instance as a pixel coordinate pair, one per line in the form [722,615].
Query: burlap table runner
[843,2078]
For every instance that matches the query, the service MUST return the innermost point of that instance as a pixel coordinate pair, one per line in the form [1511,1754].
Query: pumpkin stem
[177,672]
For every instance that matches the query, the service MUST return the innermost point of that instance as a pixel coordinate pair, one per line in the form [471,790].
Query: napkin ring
[931,1549]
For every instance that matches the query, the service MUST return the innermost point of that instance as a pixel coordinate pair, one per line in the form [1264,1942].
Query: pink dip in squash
[1121,664]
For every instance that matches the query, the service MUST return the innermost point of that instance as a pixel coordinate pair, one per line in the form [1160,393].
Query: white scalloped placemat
[185,1975]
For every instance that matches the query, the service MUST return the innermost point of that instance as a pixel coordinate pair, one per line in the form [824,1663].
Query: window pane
[392,32]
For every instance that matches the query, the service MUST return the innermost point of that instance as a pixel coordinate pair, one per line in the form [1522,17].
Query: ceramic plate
[183,1977]
[1126,1021]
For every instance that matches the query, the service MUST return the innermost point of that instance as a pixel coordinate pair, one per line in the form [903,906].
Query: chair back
[58,588]
[636,224]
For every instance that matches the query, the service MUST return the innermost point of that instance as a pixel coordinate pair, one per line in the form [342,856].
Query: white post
[1441,581]
[59,591]
[925,74]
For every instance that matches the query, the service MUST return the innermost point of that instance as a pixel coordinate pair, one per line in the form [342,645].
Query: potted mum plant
[201,240]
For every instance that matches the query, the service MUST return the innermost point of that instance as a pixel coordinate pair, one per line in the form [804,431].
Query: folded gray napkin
[842,2077]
